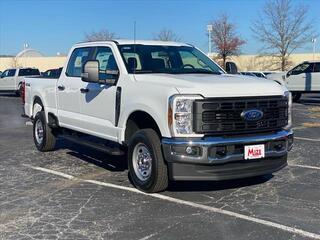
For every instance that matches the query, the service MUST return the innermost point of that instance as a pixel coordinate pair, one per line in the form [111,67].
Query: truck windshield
[141,59]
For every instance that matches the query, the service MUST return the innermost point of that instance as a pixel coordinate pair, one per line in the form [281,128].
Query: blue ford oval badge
[252,115]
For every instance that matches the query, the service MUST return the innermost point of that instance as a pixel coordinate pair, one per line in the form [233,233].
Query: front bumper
[222,158]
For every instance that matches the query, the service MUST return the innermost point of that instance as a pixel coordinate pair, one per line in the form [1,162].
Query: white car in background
[303,78]
[11,79]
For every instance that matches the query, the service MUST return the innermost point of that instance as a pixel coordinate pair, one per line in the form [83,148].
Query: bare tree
[166,35]
[101,35]
[282,29]
[225,39]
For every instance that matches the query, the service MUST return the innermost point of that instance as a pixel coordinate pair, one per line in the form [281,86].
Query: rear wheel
[147,168]
[18,92]
[296,96]
[43,137]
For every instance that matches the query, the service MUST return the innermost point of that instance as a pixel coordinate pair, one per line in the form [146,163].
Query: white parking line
[188,203]
[304,166]
[307,139]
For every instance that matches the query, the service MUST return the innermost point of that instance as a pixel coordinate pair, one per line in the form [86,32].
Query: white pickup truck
[11,79]
[303,78]
[173,111]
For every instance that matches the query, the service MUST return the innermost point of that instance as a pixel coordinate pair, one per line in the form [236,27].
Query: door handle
[61,87]
[84,90]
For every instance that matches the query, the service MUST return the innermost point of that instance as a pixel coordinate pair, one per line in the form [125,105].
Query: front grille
[223,115]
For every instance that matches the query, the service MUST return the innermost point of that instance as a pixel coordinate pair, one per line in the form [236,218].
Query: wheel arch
[142,120]
[35,109]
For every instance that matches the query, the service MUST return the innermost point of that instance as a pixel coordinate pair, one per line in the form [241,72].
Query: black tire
[18,92]
[158,179]
[296,96]
[48,139]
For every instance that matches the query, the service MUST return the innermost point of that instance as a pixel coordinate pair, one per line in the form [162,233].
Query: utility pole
[314,40]
[209,29]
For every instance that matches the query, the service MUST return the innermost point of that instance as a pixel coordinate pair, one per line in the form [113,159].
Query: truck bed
[40,86]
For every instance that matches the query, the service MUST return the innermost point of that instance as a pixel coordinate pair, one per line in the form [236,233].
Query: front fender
[160,117]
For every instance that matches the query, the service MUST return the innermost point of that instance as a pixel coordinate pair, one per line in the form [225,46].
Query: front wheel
[147,168]
[43,137]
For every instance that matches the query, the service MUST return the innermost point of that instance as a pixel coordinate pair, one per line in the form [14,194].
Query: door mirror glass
[231,68]
[90,72]
[288,74]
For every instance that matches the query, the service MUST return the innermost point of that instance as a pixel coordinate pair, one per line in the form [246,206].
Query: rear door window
[29,72]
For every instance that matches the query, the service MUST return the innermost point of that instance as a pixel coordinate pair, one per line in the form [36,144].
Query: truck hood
[209,85]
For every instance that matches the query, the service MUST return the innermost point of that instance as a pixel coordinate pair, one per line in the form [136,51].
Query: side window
[302,68]
[106,61]
[11,73]
[316,67]
[78,57]
[5,73]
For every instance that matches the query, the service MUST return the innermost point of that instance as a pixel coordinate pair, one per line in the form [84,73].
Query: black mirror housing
[90,71]
[231,68]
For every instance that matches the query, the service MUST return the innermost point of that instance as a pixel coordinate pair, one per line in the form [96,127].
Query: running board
[116,151]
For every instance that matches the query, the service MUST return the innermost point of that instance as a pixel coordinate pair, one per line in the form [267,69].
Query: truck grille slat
[223,115]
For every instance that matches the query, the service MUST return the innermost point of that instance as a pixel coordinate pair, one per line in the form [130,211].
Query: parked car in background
[271,72]
[52,73]
[169,108]
[303,78]
[11,79]
[247,74]
[0,73]
[258,74]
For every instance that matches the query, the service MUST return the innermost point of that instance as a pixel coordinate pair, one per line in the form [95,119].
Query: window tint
[11,73]
[29,72]
[5,73]
[189,60]
[78,57]
[106,61]
[166,59]
[302,68]
[316,67]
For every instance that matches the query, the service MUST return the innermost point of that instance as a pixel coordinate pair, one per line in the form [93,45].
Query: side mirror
[288,74]
[231,68]
[90,72]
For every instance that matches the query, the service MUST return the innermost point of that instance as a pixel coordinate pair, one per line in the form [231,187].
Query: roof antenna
[134,45]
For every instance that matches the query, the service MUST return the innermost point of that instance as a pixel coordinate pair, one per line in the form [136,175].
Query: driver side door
[7,82]
[98,100]
[300,78]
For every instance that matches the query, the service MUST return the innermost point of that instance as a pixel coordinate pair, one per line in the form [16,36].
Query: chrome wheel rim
[38,131]
[142,161]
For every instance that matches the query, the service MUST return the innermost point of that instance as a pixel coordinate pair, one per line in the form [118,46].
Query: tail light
[23,92]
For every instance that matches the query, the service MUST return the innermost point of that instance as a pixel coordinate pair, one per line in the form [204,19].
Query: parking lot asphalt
[78,193]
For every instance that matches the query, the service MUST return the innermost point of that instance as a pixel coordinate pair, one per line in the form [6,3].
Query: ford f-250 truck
[173,111]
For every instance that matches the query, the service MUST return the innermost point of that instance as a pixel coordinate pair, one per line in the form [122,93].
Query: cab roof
[141,42]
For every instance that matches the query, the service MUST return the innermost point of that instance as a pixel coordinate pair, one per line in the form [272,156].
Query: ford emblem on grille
[252,115]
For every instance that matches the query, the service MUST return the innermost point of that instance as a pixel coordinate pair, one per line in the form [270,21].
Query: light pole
[314,40]
[209,28]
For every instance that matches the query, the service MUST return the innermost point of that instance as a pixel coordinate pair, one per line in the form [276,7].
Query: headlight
[288,95]
[180,115]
